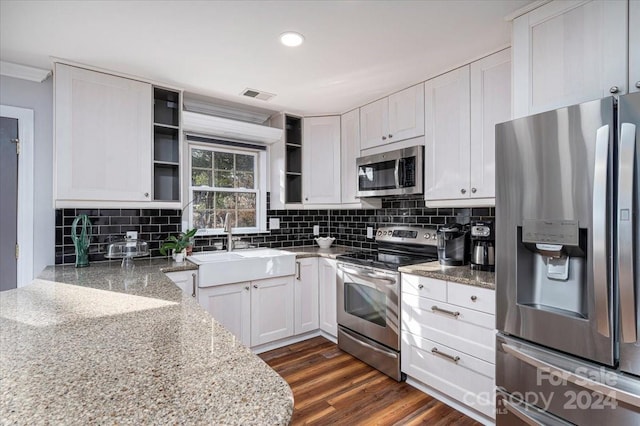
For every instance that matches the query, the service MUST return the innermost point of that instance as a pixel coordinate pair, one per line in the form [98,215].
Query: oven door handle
[366,275]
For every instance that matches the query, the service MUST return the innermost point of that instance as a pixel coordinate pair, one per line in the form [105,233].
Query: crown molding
[526,9]
[24,72]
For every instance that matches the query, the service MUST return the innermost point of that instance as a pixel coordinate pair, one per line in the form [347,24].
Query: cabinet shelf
[293,158]
[166,145]
[166,126]
[167,163]
[166,106]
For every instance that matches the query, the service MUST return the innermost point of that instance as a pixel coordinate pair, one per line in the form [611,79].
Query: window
[226,180]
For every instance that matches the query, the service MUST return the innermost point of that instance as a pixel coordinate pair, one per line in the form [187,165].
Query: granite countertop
[457,274]
[315,251]
[108,346]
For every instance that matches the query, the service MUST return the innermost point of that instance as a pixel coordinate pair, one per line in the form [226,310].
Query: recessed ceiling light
[291,39]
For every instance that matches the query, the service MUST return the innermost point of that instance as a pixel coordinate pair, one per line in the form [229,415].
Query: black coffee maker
[453,245]
[482,246]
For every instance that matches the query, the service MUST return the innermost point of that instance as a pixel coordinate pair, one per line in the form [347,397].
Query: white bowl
[325,242]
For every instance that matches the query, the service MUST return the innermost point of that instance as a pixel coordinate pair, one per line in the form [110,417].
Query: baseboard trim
[453,403]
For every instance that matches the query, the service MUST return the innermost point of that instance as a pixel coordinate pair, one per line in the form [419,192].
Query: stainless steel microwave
[396,172]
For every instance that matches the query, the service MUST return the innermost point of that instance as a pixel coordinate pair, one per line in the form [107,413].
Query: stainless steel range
[369,291]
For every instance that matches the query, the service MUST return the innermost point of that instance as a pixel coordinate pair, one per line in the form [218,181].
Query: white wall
[38,97]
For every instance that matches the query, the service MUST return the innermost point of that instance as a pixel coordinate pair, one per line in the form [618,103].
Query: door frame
[25,190]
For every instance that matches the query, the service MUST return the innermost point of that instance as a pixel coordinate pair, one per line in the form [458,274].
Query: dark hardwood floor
[330,387]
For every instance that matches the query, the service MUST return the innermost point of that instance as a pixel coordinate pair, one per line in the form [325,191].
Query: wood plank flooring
[330,387]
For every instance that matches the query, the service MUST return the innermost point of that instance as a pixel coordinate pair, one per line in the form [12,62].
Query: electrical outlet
[316,230]
[274,223]
[369,232]
[132,235]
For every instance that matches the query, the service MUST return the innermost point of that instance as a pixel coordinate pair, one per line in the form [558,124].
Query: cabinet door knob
[246,288]
[146,194]
[474,190]
[474,298]
[384,138]
[638,84]
[614,89]
[390,135]
[463,191]
[306,198]
[420,286]
[255,286]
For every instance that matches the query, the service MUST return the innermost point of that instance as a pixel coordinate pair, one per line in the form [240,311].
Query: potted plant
[178,244]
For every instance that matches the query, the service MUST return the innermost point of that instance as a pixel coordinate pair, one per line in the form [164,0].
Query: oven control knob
[379,233]
[433,236]
[427,236]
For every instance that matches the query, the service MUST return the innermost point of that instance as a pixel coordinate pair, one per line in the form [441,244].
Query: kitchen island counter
[108,346]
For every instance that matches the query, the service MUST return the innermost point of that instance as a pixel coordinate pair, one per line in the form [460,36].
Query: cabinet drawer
[468,379]
[469,331]
[424,287]
[468,296]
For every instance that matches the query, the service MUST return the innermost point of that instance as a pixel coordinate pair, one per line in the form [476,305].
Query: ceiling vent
[256,94]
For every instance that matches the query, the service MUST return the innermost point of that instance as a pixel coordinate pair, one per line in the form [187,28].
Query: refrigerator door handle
[578,380]
[530,415]
[600,276]
[520,413]
[625,235]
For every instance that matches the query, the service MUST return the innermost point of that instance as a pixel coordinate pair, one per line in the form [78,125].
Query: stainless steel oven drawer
[376,355]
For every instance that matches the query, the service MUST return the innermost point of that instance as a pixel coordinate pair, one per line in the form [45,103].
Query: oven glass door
[377,176]
[368,303]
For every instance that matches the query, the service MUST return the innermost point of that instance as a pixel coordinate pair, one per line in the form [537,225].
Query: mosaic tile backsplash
[296,226]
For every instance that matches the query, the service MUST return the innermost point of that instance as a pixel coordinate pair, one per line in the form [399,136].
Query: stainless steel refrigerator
[568,267]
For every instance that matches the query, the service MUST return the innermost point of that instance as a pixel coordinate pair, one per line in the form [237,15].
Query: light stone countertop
[100,345]
[457,274]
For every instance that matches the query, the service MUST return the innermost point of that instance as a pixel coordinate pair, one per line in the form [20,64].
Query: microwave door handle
[599,262]
[625,235]
[396,173]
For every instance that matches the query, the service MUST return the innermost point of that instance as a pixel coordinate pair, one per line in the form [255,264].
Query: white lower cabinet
[186,280]
[265,311]
[306,296]
[271,309]
[230,305]
[255,312]
[328,297]
[448,340]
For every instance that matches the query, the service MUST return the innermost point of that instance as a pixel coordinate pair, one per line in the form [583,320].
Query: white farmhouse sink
[216,268]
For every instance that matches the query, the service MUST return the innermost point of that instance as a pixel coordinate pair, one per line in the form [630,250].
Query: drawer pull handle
[420,286]
[451,358]
[474,298]
[455,314]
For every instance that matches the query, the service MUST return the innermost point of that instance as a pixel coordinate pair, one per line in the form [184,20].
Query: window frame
[260,184]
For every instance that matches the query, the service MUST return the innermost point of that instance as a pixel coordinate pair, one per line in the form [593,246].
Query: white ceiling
[355,51]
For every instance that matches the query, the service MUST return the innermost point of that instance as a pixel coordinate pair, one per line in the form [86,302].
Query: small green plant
[179,243]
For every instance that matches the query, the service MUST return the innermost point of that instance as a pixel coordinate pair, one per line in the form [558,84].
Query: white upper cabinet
[567,52]
[392,119]
[447,112]
[103,137]
[406,114]
[350,150]
[462,108]
[321,153]
[634,46]
[374,127]
[490,104]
